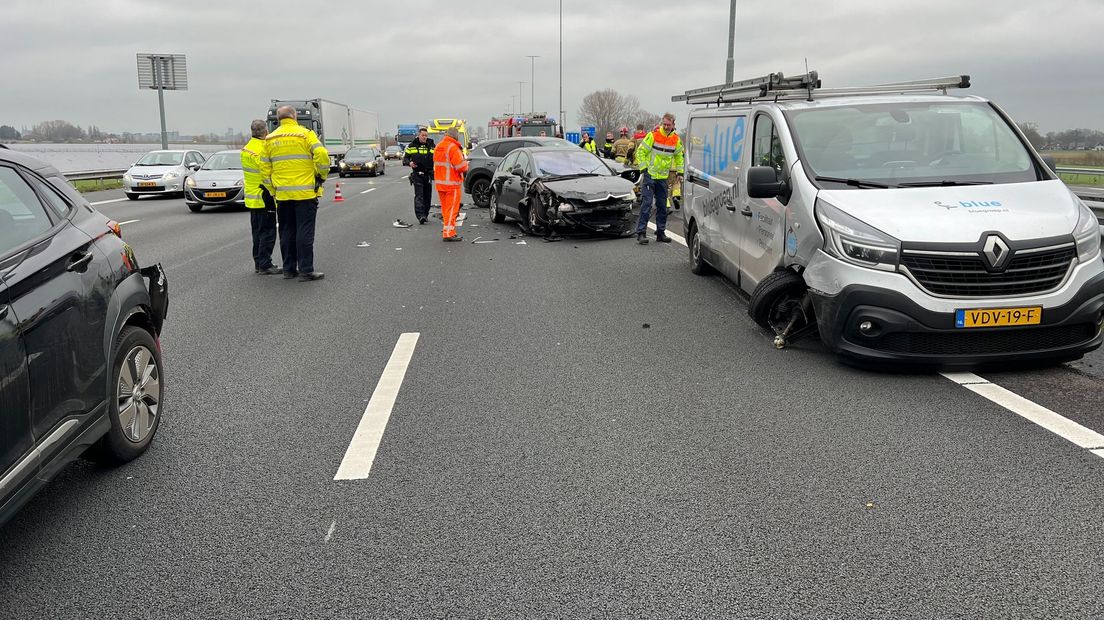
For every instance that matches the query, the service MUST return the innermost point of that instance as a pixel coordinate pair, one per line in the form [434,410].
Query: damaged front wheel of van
[781,303]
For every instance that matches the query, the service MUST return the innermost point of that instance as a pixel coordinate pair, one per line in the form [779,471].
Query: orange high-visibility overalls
[449,167]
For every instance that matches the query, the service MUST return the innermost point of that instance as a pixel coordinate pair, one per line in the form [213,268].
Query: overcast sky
[418,59]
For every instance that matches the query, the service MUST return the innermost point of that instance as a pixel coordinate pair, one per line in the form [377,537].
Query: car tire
[131,196]
[195,208]
[496,216]
[480,192]
[136,355]
[776,295]
[693,243]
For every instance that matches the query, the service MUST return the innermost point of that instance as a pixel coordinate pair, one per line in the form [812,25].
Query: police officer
[419,156]
[259,201]
[295,164]
[607,148]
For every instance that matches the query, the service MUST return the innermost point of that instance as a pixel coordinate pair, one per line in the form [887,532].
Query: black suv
[484,158]
[80,356]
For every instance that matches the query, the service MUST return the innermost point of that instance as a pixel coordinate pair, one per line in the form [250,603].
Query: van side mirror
[763,182]
[518,172]
[1051,163]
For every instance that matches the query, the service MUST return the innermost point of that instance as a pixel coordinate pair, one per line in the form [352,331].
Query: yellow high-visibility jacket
[660,153]
[251,155]
[293,158]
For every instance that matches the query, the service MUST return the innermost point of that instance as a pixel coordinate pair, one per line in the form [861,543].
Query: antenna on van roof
[776,87]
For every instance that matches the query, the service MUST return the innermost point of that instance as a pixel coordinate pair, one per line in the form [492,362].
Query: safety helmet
[624,131]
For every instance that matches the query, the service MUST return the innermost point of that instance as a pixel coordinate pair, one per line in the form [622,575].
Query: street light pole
[532,81]
[731,42]
[520,106]
[561,120]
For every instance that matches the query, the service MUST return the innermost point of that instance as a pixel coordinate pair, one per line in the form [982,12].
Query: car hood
[218,178]
[1019,211]
[590,189]
[359,161]
[156,170]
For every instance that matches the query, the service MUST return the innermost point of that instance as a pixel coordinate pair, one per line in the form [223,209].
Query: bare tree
[646,118]
[1031,132]
[57,131]
[607,110]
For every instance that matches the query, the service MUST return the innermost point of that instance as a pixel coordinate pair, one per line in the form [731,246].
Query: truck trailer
[339,127]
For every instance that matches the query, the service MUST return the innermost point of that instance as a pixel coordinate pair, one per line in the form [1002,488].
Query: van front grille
[966,275]
[987,341]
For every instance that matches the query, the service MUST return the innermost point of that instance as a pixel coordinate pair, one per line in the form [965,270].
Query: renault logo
[996,252]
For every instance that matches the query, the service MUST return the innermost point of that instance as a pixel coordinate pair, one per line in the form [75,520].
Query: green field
[96,186]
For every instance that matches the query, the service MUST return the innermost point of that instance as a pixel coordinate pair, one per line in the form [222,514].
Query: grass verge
[93,185]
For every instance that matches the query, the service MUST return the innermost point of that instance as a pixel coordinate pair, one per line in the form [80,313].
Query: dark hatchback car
[484,158]
[361,160]
[549,189]
[80,357]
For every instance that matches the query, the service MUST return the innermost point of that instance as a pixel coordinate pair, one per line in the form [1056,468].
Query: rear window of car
[22,216]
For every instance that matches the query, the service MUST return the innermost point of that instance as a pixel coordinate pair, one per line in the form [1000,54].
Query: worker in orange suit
[449,167]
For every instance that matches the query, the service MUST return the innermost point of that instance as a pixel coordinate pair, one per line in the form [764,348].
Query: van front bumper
[910,326]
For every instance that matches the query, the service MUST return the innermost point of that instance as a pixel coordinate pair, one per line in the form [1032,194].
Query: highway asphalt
[585,429]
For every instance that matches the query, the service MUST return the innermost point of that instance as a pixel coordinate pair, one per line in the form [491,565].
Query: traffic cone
[337,194]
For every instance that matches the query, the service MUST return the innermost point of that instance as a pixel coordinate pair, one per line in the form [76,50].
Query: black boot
[642,238]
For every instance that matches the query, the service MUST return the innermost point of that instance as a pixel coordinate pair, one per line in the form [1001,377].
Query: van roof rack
[777,87]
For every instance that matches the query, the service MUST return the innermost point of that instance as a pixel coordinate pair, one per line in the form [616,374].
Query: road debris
[401,224]
[646,326]
[520,243]
[364,244]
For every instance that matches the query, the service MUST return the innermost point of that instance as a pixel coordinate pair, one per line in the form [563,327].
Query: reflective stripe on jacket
[660,153]
[449,164]
[421,155]
[589,146]
[251,155]
[294,158]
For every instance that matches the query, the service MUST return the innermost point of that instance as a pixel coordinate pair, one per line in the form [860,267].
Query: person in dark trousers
[295,165]
[259,201]
[419,156]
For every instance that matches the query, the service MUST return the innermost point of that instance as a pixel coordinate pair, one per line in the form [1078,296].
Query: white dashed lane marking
[361,453]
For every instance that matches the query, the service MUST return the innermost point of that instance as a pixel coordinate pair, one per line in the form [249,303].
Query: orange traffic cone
[337,194]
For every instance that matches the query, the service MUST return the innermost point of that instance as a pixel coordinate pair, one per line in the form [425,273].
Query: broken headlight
[847,238]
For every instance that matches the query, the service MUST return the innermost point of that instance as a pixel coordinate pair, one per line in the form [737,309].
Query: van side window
[767,147]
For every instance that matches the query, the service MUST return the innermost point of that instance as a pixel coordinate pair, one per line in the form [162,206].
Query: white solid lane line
[1063,427]
[128,222]
[676,238]
[104,202]
[366,440]
[370,189]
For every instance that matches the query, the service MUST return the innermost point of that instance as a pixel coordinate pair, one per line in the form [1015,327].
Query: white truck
[338,126]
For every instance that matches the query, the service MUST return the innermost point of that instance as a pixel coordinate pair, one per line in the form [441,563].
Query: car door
[16,439]
[60,291]
[761,245]
[715,156]
[509,195]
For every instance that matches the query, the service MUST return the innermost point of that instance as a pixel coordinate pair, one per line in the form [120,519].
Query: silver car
[903,223]
[219,181]
[161,172]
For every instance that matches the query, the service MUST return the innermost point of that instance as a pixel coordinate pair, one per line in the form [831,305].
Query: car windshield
[223,161]
[366,153]
[161,158]
[569,162]
[910,144]
[392,149]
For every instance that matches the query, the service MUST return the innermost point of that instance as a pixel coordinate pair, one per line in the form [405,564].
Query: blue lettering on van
[725,147]
[979,203]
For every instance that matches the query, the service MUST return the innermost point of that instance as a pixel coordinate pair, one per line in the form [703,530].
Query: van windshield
[909,144]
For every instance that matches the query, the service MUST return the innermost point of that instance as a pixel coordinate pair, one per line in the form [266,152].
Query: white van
[901,222]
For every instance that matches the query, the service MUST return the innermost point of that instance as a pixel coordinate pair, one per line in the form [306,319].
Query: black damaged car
[549,190]
[80,353]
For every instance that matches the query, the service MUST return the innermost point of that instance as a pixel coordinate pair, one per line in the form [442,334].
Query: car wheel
[496,216]
[481,192]
[535,225]
[131,196]
[134,402]
[693,242]
[778,301]
[195,208]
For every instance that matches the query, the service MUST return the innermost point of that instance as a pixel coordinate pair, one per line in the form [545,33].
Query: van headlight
[856,242]
[1087,235]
